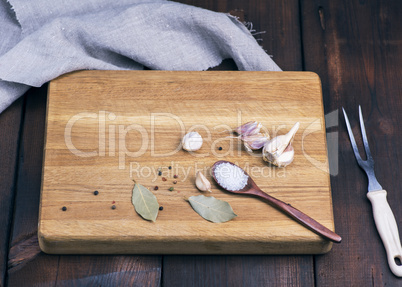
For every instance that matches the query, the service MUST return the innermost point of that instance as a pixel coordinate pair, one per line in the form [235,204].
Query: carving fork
[383,216]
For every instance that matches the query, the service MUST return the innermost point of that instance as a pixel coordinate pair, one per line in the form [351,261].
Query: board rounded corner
[45,241]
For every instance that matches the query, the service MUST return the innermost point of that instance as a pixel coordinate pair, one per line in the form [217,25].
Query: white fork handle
[387,228]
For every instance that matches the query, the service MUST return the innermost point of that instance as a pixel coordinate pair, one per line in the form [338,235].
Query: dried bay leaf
[212,209]
[145,202]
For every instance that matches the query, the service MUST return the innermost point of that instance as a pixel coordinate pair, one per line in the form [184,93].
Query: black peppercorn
[170,167]
[220,148]
[159,173]
[160,207]
[113,206]
[156,187]
[64,208]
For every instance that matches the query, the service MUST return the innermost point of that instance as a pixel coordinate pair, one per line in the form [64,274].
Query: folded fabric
[42,39]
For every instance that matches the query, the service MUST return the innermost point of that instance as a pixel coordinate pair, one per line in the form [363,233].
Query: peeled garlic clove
[202,182]
[192,141]
[279,150]
[248,129]
[255,142]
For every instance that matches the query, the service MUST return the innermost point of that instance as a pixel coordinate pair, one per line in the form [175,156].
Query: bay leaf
[212,209]
[145,202]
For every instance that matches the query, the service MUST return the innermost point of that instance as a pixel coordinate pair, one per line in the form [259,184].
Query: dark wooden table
[355,47]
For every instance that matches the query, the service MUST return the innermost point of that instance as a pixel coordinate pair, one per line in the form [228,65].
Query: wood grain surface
[129,125]
[356,51]
[10,123]
[354,46]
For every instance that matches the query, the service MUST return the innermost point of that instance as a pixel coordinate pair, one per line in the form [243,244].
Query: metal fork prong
[352,139]
[364,136]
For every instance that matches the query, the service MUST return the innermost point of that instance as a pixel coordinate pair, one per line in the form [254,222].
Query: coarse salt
[230,176]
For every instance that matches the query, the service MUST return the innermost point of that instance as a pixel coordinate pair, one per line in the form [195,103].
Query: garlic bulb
[202,182]
[248,129]
[255,142]
[279,150]
[192,141]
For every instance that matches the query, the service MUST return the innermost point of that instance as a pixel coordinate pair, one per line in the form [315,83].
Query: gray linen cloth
[42,39]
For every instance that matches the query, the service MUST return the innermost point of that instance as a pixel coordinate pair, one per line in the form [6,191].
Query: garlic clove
[291,134]
[192,141]
[255,142]
[202,182]
[279,150]
[248,129]
[285,158]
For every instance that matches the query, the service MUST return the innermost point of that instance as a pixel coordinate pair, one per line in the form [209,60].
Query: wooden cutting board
[106,128]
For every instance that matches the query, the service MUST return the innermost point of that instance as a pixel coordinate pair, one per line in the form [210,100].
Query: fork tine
[352,138]
[364,136]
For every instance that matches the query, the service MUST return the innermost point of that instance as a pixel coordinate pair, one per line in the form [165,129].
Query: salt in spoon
[252,188]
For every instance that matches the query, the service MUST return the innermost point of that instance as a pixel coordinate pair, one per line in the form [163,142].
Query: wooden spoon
[252,188]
